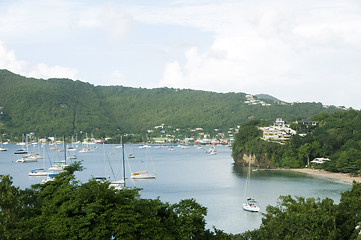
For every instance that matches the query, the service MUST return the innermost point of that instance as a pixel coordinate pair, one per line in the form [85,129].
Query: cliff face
[258,160]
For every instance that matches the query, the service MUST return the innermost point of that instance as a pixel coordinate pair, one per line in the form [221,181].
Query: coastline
[338,177]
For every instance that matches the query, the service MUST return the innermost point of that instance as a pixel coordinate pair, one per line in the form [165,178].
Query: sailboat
[212,151]
[249,205]
[59,166]
[2,149]
[22,150]
[86,149]
[144,173]
[39,171]
[120,184]
[71,148]
[50,177]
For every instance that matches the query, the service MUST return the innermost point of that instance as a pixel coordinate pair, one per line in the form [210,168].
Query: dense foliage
[66,107]
[67,209]
[336,136]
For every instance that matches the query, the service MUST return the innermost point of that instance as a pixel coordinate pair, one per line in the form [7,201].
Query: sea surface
[182,173]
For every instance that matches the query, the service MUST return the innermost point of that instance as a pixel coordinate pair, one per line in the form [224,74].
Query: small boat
[212,151]
[21,151]
[50,177]
[117,184]
[120,184]
[131,156]
[250,205]
[145,146]
[86,150]
[142,175]
[2,149]
[27,158]
[71,148]
[100,179]
[57,167]
[60,165]
[38,172]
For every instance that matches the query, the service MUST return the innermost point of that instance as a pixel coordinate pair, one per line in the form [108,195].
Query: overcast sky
[305,51]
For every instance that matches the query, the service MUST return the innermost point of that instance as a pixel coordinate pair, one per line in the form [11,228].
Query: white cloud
[117,78]
[173,76]
[118,22]
[23,17]
[278,47]
[43,71]
[9,61]
[64,17]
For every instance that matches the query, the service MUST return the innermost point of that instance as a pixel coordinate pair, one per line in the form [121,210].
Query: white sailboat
[116,184]
[249,205]
[23,150]
[144,174]
[59,166]
[39,171]
[86,149]
[49,178]
[27,158]
[71,148]
[212,151]
[120,184]
[2,149]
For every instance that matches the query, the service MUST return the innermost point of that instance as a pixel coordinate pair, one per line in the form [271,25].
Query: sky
[296,51]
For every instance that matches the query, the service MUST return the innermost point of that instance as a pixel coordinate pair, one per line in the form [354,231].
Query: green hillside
[67,107]
[335,136]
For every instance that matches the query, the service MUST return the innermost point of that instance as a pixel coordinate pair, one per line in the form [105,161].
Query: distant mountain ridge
[267,97]
[65,107]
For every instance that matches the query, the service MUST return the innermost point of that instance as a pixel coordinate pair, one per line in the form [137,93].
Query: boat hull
[40,174]
[143,176]
[249,208]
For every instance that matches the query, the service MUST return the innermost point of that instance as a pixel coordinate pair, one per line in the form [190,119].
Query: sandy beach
[339,177]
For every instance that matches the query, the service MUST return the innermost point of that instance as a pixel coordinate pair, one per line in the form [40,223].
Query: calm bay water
[213,180]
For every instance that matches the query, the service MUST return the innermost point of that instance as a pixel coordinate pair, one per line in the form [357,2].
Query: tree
[305,151]
[349,212]
[297,218]
[67,209]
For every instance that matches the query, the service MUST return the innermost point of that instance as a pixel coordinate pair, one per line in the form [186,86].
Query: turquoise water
[213,180]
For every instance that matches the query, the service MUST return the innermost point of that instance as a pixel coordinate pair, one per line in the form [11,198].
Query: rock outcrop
[258,160]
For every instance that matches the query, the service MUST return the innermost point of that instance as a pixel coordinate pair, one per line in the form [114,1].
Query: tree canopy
[67,209]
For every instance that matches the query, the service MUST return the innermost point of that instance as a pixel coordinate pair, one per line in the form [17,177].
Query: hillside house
[279,131]
[319,160]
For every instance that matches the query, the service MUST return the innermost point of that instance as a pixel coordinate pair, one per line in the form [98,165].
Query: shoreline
[336,177]
[339,177]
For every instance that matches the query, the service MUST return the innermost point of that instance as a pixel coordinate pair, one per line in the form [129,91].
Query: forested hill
[335,136]
[64,107]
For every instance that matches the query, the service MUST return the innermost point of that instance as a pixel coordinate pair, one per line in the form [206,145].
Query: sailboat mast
[121,139]
[247,179]
[64,146]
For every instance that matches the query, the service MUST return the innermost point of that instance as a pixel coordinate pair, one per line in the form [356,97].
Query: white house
[320,160]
